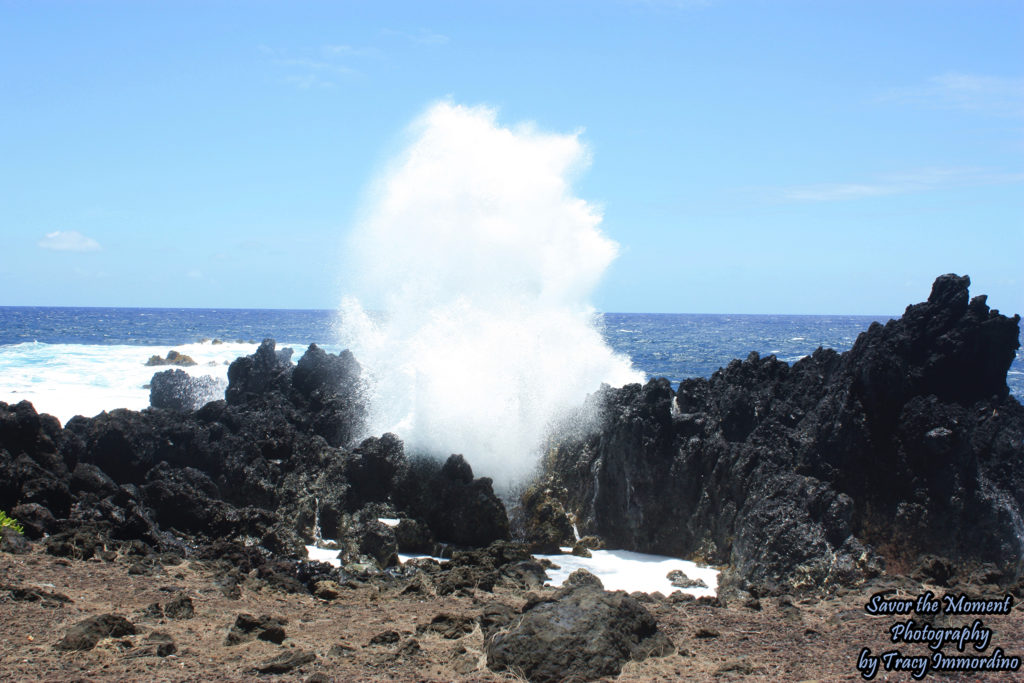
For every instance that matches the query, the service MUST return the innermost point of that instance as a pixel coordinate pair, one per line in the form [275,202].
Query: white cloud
[921,180]
[996,95]
[68,240]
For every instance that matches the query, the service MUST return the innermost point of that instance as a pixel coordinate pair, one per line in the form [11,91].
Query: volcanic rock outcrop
[272,467]
[816,474]
[581,633]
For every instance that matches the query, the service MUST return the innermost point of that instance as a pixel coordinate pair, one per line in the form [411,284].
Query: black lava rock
[286,661]
[247,628]
[14,543]
[85,634]
[277,462]
[458,508]
[584,634]
[178,390]
[811,475]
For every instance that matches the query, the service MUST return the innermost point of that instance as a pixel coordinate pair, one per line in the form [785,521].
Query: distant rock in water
[173,358]
[816,474]
[178,390]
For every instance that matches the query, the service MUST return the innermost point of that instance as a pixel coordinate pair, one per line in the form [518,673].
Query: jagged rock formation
[260,468]
[809,475]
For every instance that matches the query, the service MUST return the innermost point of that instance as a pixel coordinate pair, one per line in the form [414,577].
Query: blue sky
[749,156]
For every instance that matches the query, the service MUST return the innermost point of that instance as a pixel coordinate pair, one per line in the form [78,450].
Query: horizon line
[379,312]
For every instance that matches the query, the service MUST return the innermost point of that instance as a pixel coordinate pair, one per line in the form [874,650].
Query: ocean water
[623,570]
[82,361]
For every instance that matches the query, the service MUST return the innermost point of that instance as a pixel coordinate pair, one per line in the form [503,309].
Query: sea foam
[65,380]
[483,261]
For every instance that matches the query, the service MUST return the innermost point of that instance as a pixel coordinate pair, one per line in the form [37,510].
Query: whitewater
[484,261]
[85,379]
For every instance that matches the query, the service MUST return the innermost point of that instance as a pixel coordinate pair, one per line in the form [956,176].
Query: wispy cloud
[308,81]
[421,36]
[311,73]
[334,64]
[996,95]
[669,4]
[350,51]
[252,245]
[922,180]
[241,249]
[68,240]
[427,37]
[833,192]
[322,67]
[90,274]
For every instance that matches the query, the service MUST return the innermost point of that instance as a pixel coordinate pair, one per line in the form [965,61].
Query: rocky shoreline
[907,448]
[895,468]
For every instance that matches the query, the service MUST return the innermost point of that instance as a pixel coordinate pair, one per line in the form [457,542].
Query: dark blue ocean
[56,353]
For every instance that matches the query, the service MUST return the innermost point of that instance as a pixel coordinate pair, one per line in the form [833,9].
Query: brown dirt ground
[814,640]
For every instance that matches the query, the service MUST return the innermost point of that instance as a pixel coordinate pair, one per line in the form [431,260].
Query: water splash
[483,261]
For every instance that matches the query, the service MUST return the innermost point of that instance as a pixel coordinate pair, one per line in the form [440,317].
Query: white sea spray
[484,261]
